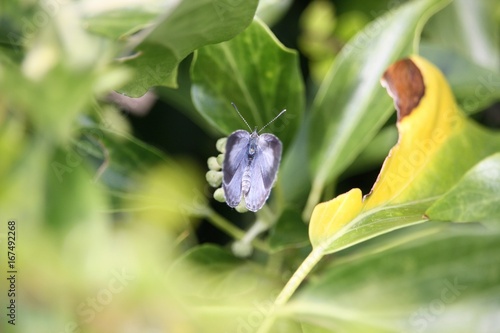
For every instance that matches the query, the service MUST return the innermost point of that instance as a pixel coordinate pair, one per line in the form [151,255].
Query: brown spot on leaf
[405,84]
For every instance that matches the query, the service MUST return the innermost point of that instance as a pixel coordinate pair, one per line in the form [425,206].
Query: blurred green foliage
[108,226]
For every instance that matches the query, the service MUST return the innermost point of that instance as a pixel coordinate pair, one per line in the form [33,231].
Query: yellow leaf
[437,145]
[329,217]
[427,115]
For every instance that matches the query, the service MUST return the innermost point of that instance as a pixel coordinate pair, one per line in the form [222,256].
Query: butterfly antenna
[234,105]
[283,111]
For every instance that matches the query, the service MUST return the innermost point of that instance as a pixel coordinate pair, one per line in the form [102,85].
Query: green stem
[291,286]
[266,216]
[300,274]
[233,231]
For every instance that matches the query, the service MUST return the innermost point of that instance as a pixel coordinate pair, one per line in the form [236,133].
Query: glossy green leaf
[185,28]
[476,198]
[351,106]
[257,73]
[442,283]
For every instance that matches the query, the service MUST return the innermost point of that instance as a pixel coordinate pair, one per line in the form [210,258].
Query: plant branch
[233,231]
[291,286]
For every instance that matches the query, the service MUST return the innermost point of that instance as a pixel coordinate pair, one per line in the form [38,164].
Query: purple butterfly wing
[263,171]
[235,162]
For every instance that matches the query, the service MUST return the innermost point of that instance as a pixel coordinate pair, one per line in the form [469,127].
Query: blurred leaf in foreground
[440,283]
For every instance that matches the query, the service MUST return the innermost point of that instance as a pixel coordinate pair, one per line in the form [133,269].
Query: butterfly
[250,166]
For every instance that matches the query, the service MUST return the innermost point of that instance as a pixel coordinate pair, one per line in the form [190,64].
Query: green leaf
[375,152]
[61,76]
[351,106]
[469,28]
[474,87]
[68,172]
[217,271]
[50,177]
[258,74]
[271,11]
[142,181]
[442,283]
[291,191]
[54,102]
[23,174]
[185,28]
[120,24]
[475,198]
[289,231]
[115,156]
[227,293]
[293,167]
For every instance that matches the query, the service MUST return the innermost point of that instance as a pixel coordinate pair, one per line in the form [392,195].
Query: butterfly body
[250,168]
